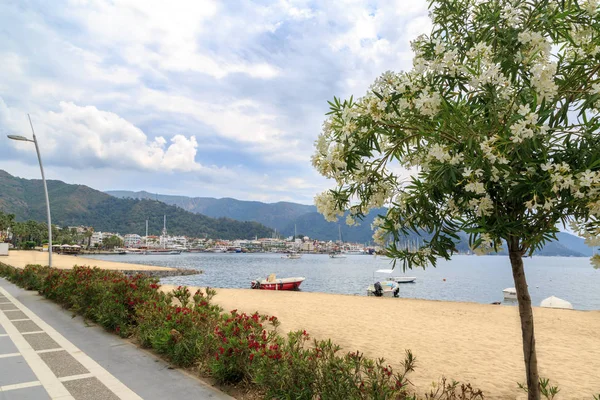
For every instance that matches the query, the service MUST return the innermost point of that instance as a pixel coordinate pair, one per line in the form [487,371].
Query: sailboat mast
[165,232]
[146,233]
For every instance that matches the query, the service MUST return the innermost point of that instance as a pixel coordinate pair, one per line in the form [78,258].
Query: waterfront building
[132,240]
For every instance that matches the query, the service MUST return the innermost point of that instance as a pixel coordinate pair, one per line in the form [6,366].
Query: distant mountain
[80,205]
[284,217]
[274,215]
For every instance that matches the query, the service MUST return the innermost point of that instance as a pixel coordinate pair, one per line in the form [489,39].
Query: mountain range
[127,211]
[287,217]
[73,205]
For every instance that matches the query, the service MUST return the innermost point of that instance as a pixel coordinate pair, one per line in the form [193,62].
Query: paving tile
[12,315]
[41,341]
[7,346]
[63,364]
[26,326]
[2,331]
[89,389]
[10,306]
[31,393]
[15,370]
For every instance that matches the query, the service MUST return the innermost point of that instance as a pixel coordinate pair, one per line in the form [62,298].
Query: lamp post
[37,149]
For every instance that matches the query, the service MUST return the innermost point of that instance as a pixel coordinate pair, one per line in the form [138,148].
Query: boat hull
[403,279]
[278,284]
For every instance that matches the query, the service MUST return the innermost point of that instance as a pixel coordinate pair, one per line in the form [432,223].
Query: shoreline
[469,342]
[22,258]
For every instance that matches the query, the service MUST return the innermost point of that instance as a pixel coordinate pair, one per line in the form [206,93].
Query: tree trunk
[526,314]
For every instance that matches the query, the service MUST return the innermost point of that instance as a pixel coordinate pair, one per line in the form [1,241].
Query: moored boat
[293,255]
[163,252]
[384,288]
[274,283]
[510,293]
[402,279]
[336,254]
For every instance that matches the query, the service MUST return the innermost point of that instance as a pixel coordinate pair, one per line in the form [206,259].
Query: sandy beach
[469,342]
[20,259]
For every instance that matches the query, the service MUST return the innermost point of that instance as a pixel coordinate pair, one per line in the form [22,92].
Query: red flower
[251,357]
[221,350]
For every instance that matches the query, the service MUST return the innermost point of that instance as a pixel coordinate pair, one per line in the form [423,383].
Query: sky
[195,98]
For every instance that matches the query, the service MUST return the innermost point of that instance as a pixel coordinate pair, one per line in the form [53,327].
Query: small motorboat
[385,288]
[336,254]
[510,293]
[402,279]
[292,256]
[274,283]
[163,252]
[555,302]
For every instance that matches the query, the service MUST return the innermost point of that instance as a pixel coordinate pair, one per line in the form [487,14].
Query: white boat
[163,252]
[555,302]
[510,293]
[402,279]
[218,249]
[336,254]
[355,252]
[293,256]
[385,288]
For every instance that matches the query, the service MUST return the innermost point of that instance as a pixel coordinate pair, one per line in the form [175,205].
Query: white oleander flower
[542,80]
[326,205]
[428,103]
[475,187]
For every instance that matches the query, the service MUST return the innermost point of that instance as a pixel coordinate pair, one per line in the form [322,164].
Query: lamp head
[20,138]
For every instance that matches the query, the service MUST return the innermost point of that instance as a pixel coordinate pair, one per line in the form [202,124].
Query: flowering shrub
[232,347]
[106,297]
[181,332]
[238,338]
[319,372]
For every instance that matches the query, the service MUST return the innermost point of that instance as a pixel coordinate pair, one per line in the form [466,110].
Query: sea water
[478,279]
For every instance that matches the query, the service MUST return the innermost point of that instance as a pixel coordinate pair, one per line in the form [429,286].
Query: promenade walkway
[47,354]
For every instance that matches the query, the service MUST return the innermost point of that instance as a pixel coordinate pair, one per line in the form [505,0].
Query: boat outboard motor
[255,284]
[397,291]
[378,289]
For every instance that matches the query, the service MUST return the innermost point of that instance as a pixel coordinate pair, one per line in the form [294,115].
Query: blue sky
[197,98]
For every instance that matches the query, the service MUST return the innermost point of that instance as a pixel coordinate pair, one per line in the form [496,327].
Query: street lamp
[37,149]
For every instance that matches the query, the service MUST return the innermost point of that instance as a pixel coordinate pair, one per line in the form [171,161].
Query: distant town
[134,243]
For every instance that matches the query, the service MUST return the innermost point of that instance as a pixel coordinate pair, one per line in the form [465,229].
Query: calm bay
[478,279]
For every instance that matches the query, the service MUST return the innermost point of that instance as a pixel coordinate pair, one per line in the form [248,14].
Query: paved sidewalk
[47,354]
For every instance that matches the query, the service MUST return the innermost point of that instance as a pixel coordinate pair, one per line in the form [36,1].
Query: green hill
[274,215]
[80,205]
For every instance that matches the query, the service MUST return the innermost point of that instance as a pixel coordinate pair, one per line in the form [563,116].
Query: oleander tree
[498,123]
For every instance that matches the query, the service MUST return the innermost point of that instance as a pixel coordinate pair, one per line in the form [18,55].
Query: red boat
[272,283]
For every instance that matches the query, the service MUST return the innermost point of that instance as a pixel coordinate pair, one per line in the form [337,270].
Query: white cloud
[86,137]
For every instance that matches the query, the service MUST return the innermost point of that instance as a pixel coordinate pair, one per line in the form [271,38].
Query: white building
[132,240]
[96,239]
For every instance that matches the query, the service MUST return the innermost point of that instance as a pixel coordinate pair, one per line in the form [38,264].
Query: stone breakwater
[161,273]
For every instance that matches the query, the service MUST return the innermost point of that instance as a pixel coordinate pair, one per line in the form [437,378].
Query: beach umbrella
[555,302]
[65,246]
